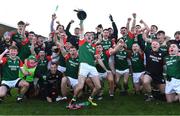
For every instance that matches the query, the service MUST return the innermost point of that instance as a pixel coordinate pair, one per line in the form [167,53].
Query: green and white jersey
[105,58]
[121,62]
[146,44]
[24,51]
[11,68]
[152,36]
[17,37]
[86,53]
[129,40]
[106,44]
[173,66]
[137,61]
[29,78]
[62,61]
[163,48]
[72,66]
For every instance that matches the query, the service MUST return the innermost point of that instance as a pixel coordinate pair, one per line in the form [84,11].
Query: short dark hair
[98,44]
[20,23]
[106,30]
[138,25]
[123,28]
[13,47]
[53,63]
[86,33]
[59,26]
[76,28]
[154,26]
[110,28]
[177,32]
[159,32]
[72,47]
[31,32]
[100,26]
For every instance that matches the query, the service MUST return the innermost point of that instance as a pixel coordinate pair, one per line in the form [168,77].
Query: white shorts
[87,70]
[122,71]
[136,77]
[61,69]
[102,75]
[73,82]
[173,86]
[10,84]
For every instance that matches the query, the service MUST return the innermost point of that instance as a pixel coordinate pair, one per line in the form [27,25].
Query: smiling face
[31,63]
[53,68]
[154,29]
[7,37]
[13,53]
[155,45]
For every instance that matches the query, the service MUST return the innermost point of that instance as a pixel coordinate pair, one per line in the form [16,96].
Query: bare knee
[64,81]
[23,84]
[3,91]
[146,80]
[98,87]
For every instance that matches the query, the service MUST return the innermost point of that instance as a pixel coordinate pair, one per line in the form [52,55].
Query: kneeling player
[11,66]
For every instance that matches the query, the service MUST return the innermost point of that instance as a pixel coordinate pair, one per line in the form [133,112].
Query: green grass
[121,105]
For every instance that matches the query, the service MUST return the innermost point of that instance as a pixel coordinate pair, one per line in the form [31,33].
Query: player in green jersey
[137,63]
[121,64]
[87,67]
[104,69]
[71,74]
[10,79]
[172,63]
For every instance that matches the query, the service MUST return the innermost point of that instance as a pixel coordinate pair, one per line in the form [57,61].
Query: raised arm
[146,27]
[1,56]
[141,42]
[52,23]
[68,33]
[24,30]
[33,43]
[115,30]
[134,22]
[128,23]
[82,30]
[115,49]
[63,51]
